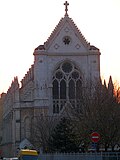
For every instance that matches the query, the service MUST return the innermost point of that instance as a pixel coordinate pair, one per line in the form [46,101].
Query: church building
[63,65]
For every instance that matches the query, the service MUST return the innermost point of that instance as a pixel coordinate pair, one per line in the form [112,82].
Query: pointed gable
[66,37]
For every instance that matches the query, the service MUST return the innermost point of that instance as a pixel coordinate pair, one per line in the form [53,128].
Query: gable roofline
[58,28]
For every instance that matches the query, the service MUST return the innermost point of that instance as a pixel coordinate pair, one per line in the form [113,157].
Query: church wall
[41,81]
[34,98]
[94,67]
[86,64]
[7,123]
[10,115]
[7,136]
[82,62]
[46,63]
[29,113]
[26,92]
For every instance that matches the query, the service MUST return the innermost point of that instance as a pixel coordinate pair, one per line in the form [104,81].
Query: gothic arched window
[67,86]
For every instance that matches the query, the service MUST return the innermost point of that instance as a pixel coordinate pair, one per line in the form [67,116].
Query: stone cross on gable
[66,7]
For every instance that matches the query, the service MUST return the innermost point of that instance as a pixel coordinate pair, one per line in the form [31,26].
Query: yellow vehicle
[26,154]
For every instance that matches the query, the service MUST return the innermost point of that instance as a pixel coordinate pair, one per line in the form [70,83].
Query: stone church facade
[62,67]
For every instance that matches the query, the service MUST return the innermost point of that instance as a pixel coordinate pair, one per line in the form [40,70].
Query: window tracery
[67,86]
[66,40]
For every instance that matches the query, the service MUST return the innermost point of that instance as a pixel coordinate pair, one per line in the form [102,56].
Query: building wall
[34,97]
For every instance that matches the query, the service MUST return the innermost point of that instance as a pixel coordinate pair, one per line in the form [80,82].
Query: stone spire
[110,86]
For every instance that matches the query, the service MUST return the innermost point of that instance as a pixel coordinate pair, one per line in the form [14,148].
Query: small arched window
[67,86]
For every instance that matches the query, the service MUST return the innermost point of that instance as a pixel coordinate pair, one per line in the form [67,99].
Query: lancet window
[67,86]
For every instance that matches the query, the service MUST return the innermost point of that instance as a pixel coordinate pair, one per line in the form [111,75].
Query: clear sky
[25,24]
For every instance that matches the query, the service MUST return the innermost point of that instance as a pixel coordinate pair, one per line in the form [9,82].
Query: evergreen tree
[64,139]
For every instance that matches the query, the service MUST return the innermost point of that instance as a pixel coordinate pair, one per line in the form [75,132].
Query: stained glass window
[67,86]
